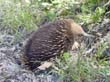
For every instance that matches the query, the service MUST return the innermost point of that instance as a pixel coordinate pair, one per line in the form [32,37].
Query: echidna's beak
[88,35]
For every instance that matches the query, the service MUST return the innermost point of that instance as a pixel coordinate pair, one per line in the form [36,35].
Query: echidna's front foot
[76,45]
[45,65]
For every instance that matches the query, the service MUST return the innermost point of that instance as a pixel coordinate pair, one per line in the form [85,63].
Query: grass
[17,15]
[29,16]
[84,68]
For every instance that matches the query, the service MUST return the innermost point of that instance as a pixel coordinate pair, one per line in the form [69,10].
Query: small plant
[84,69]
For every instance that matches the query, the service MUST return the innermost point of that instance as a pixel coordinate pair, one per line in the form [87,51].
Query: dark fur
[51,40]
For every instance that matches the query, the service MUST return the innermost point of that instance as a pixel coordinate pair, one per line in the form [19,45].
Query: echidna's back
[49,41]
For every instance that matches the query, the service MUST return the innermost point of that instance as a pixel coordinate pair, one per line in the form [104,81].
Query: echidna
[51,40]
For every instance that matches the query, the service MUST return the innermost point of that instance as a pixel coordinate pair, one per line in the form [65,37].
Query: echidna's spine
[29,63]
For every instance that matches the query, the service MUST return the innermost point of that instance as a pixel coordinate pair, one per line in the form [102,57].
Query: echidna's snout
[88,35]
